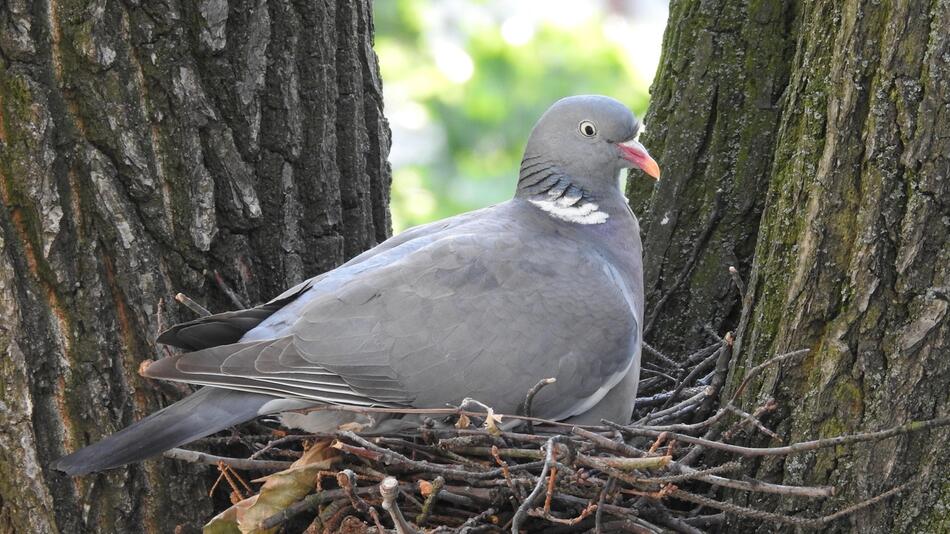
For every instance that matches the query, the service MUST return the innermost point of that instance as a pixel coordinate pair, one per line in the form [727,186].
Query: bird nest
[673,468]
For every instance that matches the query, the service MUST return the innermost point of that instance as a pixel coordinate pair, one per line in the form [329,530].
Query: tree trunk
[807,143]
[144,147]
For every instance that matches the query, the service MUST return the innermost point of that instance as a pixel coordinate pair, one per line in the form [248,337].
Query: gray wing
[231,327]
[484,314]
[228,327]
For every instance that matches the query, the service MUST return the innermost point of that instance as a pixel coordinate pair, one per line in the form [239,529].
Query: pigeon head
[574,157]
[591,135]
[589,139]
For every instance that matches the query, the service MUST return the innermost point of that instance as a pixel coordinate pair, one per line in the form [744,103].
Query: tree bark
[144,147]
[807,143]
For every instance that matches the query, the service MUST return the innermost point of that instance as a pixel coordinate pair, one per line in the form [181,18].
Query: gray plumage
[481,305]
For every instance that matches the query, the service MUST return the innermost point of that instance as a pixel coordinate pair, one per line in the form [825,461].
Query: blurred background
[465,81]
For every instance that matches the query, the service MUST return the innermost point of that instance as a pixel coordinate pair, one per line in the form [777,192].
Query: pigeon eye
[587,128]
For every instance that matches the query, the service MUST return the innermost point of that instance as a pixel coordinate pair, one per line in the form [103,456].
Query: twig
[662,516]
[618,447]
[734,273]
[233,478]
[552,482]
[199,310]
[601,500]
[695,372]
[660,398]
[766,487]
[626,525]
[693,474]
[796,448]
[719,376]
[753,420]
[432,411]
[529,400]
[391,457]
[226,289]
[347,481]
[280,441]
[658,374]
[701,354]
[515,494]
[196,457]
[786,519]
[389,489]
[469,525]
[549,458]
[758,368]
[695,399]
[623,463]
[379,524]
[433,494]
[546,514]
[659,355]
[331,516]
[309,503]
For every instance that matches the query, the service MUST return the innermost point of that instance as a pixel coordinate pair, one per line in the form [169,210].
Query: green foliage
[478,123]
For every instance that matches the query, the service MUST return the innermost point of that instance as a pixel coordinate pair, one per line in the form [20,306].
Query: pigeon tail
[196,416]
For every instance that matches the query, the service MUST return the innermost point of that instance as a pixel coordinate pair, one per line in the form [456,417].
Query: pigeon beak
[635,153]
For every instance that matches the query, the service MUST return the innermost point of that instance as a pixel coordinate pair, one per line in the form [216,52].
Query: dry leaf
[491,423]
[280,490]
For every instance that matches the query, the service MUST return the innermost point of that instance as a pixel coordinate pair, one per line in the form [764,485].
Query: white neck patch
[579,213]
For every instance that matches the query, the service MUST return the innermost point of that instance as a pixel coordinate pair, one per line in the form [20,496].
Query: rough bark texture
[144,146]
[808,144]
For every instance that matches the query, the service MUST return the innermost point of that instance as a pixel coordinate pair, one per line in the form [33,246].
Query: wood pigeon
[482,305]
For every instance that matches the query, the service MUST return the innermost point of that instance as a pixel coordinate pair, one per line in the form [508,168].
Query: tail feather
[196,416]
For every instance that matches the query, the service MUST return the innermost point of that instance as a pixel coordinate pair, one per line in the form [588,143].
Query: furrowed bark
[848,211]
[144,147]
[713,119]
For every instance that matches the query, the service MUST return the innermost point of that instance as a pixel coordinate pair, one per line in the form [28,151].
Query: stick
[797,448]
[347,481]
[389,489]
[659,355]
[434,488]
[703,365]
[754,421]
[199,310]
[618,447]
[308,503]
[601,500]
[779,518]
[659,398]
[195,457]
[734,273]
[226,289]
[695,399]
[539,487]
[391,457]
[758,368]
[470,524]
[529,399]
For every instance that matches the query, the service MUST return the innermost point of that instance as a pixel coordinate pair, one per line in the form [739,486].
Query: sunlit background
[465,80]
